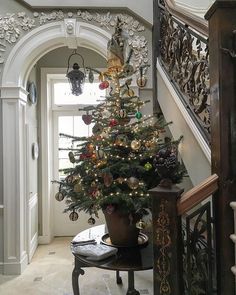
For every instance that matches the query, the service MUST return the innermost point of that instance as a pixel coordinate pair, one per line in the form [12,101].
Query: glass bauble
[141,81]
[121,139]
[69,179]
[108,179]
[91,221]
[138,115]
[129,92]
[97,128]
[133,182]
[100,154]
[122,113]
[103,85]
[73,216]
[71,157]
[59,196]
[106,114]
[140,224]
[148,166]
[77,187]
[113,122]
[87,119]
[135,144]
[128,70]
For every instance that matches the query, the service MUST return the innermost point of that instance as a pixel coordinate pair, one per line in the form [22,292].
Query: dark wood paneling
[168,272]
[222,22]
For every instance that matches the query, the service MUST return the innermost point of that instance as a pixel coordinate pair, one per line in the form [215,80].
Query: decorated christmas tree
[126,155]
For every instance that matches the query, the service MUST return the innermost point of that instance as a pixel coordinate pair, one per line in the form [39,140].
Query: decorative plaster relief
[13,26]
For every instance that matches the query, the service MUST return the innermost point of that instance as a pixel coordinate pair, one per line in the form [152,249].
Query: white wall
[143,8]
[1,192]
[199,7]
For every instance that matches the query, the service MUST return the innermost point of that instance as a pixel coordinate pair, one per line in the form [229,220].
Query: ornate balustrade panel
[198,252]
[185,58]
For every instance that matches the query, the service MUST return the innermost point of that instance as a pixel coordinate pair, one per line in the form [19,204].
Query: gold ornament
[101,163]
[129,92]
[150,144]
[94,157]
[77,187]
[71,157]
[100,154]
[124,121]
[97,129]
[108,179]
[122,113]
[101,77]
[140,224]
[128,70]
[141,81]
[74,216]
[135,144]
[106,114]
[59,196]
[90,147]
[120,180]
[70,179]
[105,133]
[91,221]
[121,140]
[133,182]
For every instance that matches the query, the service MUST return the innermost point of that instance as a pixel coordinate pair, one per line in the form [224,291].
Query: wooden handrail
[197,194]
[194,21]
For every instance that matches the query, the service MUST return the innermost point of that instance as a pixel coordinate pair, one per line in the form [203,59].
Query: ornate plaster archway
[29,49]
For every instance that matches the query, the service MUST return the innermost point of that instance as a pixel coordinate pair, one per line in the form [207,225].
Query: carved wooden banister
[181,241]
[184,56]
[197,194]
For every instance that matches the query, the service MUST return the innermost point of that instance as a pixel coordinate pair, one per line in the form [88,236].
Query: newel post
[167,241]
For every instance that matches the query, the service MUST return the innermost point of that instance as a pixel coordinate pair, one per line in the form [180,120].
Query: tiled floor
[50,274]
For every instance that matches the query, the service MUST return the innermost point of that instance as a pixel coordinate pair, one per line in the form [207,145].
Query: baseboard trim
[33,246]
[15,268]
[44,240]
[1,267]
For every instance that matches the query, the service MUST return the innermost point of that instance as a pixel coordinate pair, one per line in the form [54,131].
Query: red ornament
[87,119]
[85,156]
[103,85]
[113,123]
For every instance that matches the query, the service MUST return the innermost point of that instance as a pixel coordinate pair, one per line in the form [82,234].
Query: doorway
[67,120]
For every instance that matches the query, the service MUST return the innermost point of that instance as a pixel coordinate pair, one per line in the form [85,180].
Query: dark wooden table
[127,259]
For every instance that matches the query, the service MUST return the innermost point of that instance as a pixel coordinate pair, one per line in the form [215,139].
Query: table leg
[75,277]
[131,289]
[118,278]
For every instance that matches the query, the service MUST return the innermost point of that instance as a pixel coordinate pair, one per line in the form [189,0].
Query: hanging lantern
[91,76]
[76,77]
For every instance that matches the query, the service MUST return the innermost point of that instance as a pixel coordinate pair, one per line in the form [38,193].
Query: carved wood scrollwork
[185,57]
[163,242]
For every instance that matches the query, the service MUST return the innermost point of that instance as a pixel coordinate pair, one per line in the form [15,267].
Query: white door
[32,190]
[68,121]
[71,124]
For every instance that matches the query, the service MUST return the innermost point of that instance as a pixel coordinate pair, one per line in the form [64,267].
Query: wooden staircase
[171,205]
